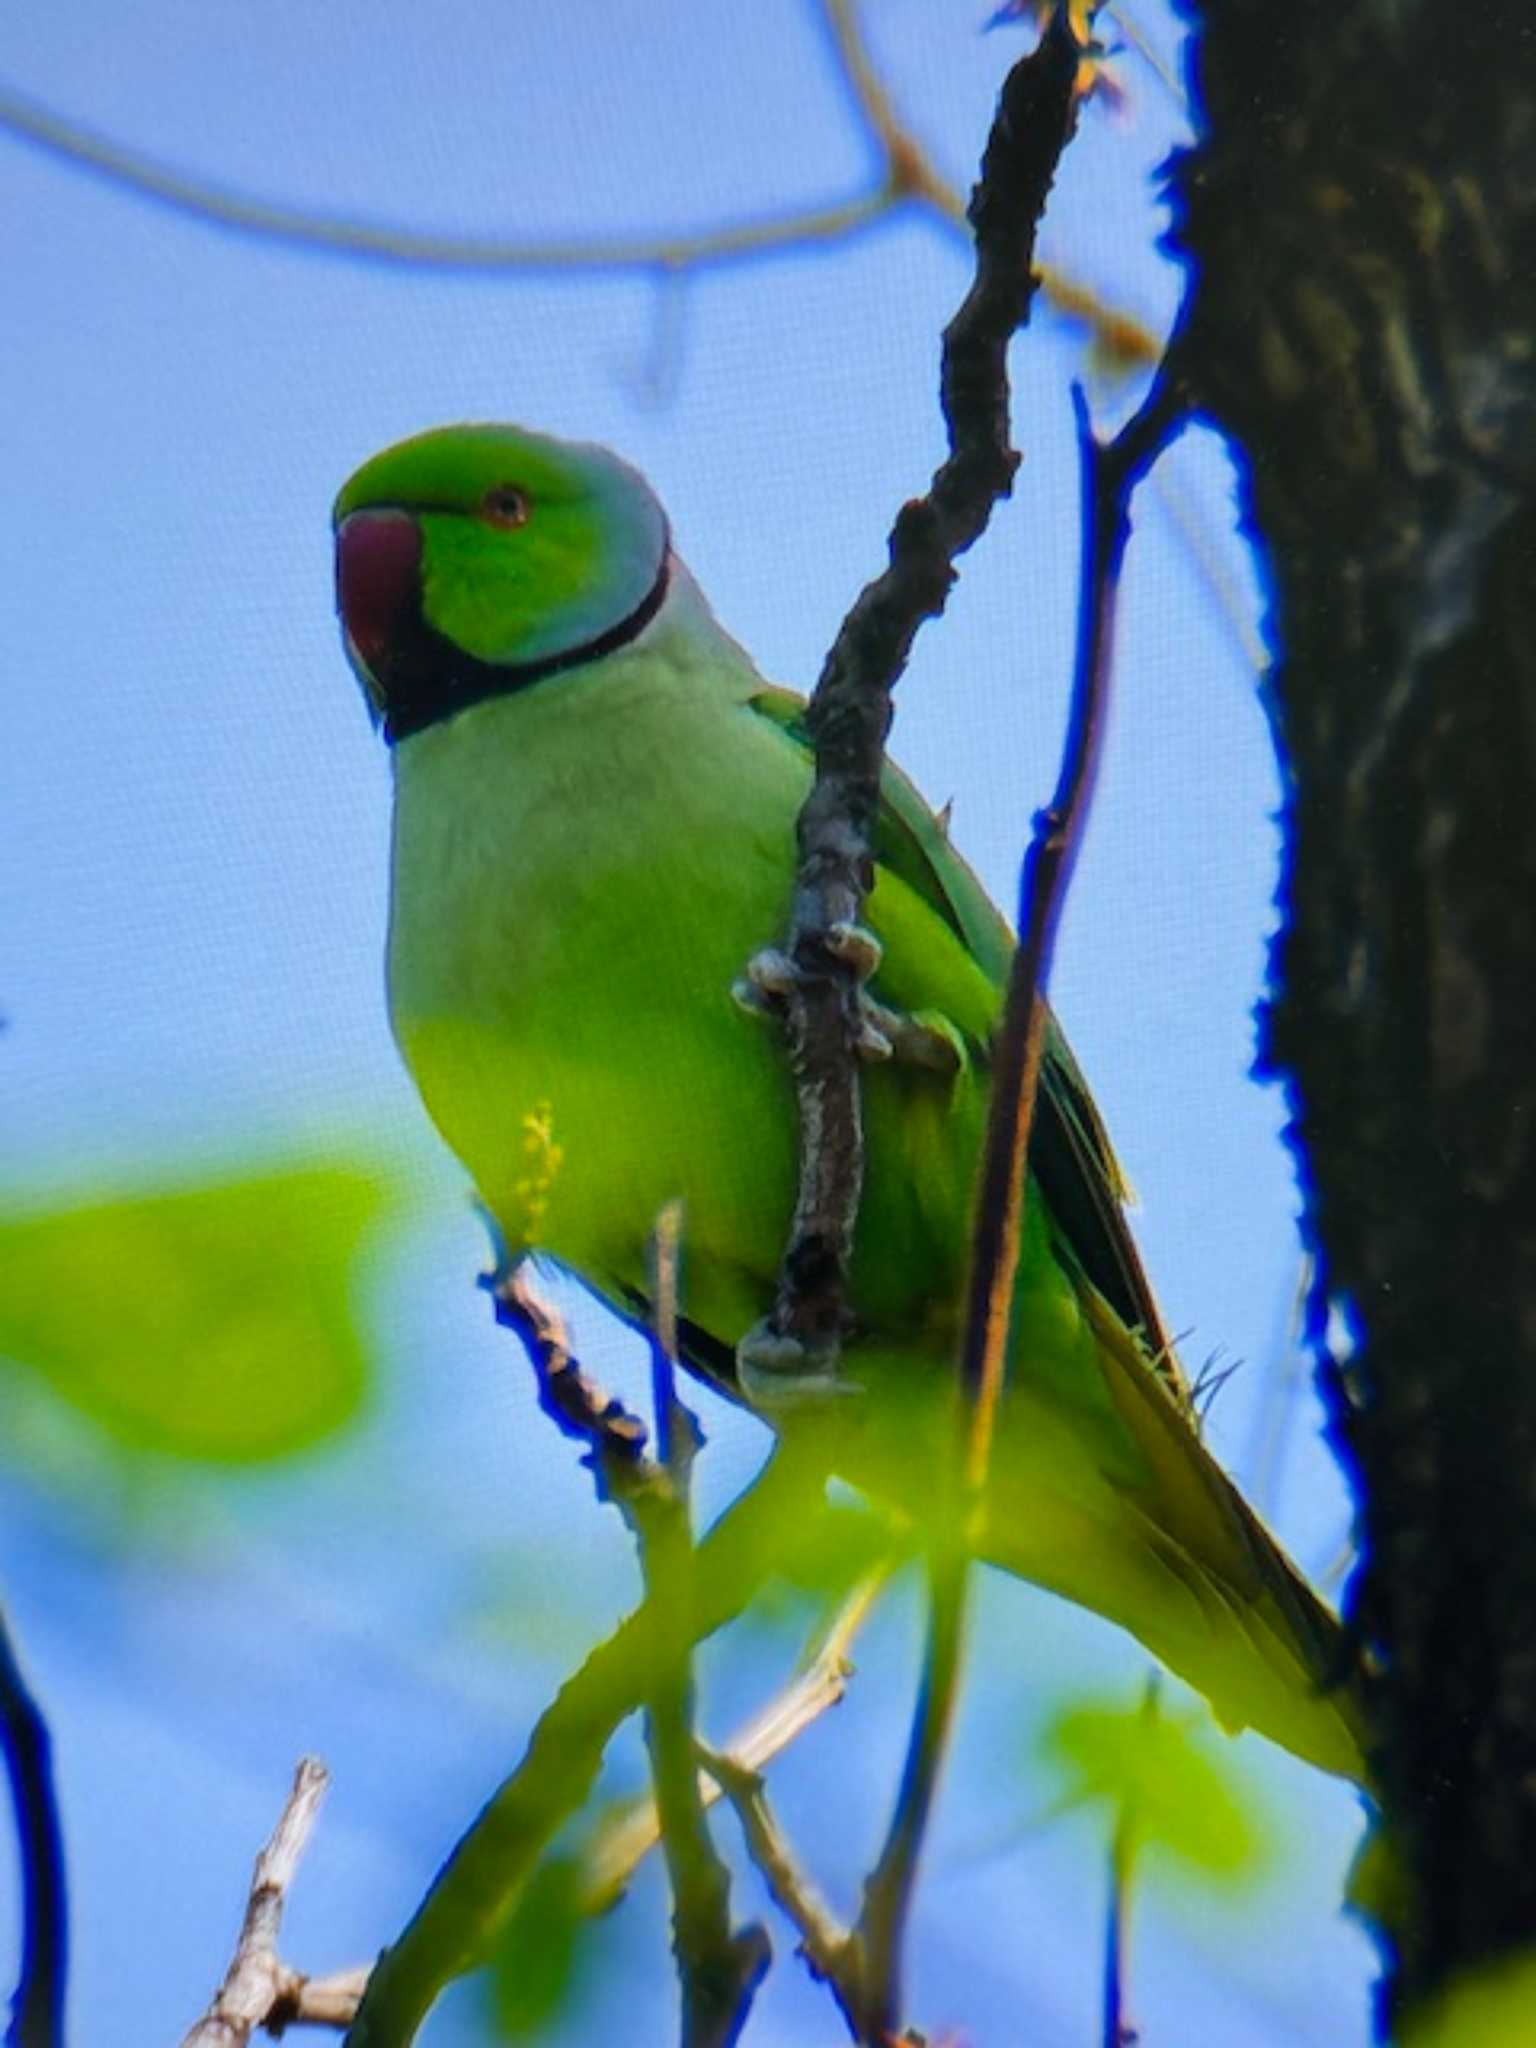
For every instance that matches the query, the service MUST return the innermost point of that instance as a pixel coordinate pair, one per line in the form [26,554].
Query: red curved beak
[378,579]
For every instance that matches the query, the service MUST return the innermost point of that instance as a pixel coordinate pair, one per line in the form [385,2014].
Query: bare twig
[909,171]
[819,1685]
[1124,1847]
[855,1962]
[577,1406]
[258,1989]
[410,248]
[824,1942]
[906,177]
[910,175]
[880,1935]
[322,2001]
[850,712]
[1109,476]
[1115,2032]
[333,2001]
[718,1967]
[677,1430]
[37,2010]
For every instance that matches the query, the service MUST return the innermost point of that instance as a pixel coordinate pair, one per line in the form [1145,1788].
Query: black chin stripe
[429,679]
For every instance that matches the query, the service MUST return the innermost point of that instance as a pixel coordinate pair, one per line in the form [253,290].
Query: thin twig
[906,178]
[298,2001]
[881,1931]
[1124,1847]
[577,1406]
[257,1983]
[909,171]
[850,711]
[37,2010]
[820,1684]
[1109,475]
[1114,2033]
[718,1967]
[323,2001]
[411,248]
[677,1430]
[824,1942]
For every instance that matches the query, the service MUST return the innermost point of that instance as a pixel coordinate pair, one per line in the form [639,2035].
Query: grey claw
[771,972]
[872,1043]
[857,946]
[746,996]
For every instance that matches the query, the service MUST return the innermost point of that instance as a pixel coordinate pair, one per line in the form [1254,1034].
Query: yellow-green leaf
[536,1973]
[216,1322]
[1160,1783]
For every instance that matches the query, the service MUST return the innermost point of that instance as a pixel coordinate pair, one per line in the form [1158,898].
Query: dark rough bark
[1361,219]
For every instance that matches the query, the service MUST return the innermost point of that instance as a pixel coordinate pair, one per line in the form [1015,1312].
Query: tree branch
[879,1939]
[1109,475]
[333,2001]
[478,1886]
[824,1941]
[820,1684]
[257,1989]
[1359,216]
[37,2010]
[850,711]
[718,1968]
[411,248]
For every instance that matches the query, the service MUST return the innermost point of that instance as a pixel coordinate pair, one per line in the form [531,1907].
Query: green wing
[1070,1153]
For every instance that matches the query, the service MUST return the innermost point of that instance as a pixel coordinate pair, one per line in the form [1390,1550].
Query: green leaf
[1160,1783]
[535,1973]
[214,1323]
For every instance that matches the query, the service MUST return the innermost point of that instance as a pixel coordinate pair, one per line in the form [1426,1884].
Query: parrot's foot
[914,1038]
[780,1372]
[921,1039]
[857,947]
[768,982]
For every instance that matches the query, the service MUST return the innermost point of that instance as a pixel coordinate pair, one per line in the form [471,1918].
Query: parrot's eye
[505,505]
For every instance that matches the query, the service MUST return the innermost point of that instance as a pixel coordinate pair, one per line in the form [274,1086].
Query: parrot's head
[474,560]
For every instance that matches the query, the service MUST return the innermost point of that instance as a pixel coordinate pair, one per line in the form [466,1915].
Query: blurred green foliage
[542,1958]
[1162,1787]
[1495,2008]
[216,1322]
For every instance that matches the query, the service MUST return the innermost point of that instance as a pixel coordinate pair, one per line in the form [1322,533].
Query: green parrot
[595,796]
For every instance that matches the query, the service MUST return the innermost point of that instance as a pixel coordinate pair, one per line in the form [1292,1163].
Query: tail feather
[1272,1657]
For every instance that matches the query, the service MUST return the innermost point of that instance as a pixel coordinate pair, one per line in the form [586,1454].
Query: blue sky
[192,896]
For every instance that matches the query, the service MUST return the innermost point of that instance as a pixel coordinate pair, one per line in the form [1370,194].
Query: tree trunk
[1361,222]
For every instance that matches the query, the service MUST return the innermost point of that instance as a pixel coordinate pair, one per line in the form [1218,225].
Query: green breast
[580,874]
